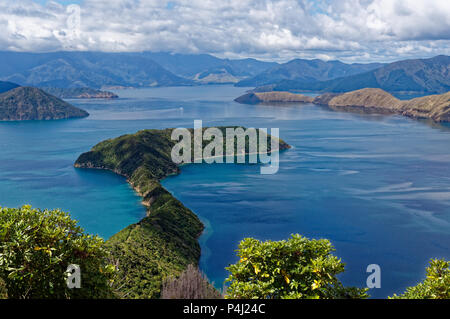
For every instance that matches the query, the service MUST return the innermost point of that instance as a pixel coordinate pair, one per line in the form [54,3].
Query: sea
[378,187]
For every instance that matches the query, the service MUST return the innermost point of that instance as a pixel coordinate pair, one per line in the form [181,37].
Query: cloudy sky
[350,30]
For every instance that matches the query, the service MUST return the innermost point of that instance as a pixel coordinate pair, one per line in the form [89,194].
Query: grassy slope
[435,107]
[165,242]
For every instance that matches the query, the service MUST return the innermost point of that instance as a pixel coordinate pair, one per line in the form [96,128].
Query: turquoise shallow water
[377,187]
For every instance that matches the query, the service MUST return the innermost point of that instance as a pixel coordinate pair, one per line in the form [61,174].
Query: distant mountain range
[28,103]
[307,71]
[207,69]
[425,76]
[146,69]
[85,69]
[104,70]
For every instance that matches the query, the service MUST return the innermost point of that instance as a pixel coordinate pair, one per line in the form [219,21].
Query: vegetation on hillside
[162,244]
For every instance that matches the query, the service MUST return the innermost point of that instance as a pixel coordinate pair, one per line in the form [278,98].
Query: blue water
[377,187]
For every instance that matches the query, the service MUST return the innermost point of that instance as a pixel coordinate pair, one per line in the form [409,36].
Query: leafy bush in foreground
[435,286]
[37,246]
[298,268]
[191,284]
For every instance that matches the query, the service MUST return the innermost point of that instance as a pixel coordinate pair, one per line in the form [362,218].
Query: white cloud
[351,30]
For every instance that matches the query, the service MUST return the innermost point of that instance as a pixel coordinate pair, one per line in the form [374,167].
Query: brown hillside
[436,107]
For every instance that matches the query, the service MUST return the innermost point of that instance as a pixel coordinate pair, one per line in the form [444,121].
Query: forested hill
[28,103]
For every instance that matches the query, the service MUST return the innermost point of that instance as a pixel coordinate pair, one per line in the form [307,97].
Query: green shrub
[36,247]
[294,269]
[435,286]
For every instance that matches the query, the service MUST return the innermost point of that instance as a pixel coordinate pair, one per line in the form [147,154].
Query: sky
[278,30]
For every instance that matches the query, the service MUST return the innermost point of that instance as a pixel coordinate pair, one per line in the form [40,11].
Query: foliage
[435,286]
[191,284]
[298,268]
[37,246]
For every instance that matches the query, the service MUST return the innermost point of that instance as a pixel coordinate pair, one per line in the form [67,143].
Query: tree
[435,286]
[37,246]
[294,269]
[191,284]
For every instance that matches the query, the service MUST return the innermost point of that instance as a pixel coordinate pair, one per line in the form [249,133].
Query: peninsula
[369,100]
[164,242]
[28,103]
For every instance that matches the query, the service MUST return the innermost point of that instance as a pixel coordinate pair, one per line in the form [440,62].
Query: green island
[164,242]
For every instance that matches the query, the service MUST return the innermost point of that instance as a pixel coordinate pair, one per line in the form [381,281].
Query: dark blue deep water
[377,187]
